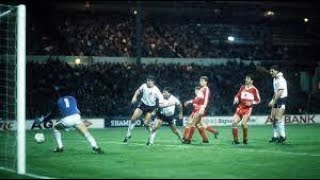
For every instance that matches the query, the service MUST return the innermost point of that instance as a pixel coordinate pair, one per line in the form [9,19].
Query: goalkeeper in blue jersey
[67,108]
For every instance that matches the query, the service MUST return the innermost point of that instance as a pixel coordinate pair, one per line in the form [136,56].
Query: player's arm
[52,114]
[206,99]
[262,69]
[188,102]
[165,104]
[278,94]
[257,98]
[136,94]
[87,123]
[237,97]
[276,97]
[180,110]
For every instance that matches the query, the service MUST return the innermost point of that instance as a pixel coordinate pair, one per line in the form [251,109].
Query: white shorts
[72,120]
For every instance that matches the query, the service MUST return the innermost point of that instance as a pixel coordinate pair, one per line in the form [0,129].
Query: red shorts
[196,111]
[241,111]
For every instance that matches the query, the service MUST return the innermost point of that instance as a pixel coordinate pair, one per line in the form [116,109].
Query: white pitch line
[27,174]
[205,146]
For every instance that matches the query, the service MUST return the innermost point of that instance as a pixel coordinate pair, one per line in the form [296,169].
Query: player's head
[203,81]
[249,79]
[167,92]
[150,81]
[61,90]
[274,70]
[197,89]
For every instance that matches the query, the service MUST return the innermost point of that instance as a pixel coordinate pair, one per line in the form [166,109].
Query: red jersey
[248,96]
[201,99]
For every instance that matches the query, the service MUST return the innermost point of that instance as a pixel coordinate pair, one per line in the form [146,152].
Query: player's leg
[281,128]
[274,123]
[236,120]
[57,136]
[197,122]
[175,130]
[202,131]
[210,129]
[82,128]
[147,119]
[136,114]
[245,119]
[192,129]
[187,130]
[153,131]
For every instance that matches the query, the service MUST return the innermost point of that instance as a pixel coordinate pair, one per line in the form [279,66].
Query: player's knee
[189,124]
[133,118]
[146,124]
[81,128]
[277,119]
[58,126]
[199,126]
[244,125]
[234,124]
[154,129]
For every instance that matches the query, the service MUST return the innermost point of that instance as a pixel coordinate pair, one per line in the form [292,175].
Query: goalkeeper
[70,118]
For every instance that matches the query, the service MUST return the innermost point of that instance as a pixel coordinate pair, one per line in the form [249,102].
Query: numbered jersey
[68,106]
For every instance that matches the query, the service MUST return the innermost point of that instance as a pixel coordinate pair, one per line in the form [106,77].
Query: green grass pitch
[168,158]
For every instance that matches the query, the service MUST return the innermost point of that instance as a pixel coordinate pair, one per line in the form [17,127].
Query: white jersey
[150,95]
[280,83]
[169,111]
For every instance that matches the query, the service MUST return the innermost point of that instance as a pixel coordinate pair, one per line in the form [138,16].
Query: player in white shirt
[166,114]
[278,104]
[151,97]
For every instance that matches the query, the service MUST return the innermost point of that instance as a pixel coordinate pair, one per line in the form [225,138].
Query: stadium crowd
[115,35]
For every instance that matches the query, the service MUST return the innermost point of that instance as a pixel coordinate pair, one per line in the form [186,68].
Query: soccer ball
[39,137]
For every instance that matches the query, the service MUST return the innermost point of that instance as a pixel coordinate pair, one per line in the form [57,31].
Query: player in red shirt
[201,123]
[200,103]
[247,96]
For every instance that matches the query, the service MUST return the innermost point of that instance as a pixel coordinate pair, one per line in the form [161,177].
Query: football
[39,137]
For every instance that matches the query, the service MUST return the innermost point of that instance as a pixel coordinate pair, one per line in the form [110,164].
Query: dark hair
[275,67]
[62,90]
[250,76]
[150,77]
[168,89]
[204,78]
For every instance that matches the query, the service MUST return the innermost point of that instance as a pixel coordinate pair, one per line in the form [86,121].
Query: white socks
[275,130]
[91,140]
[57,136]
[152,136]
[281,129]
[130,128]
